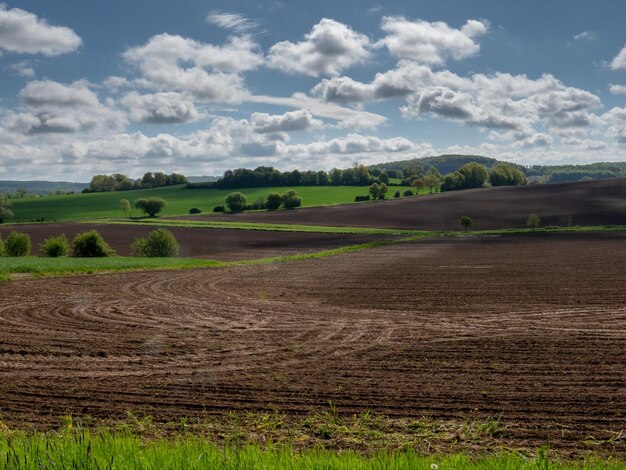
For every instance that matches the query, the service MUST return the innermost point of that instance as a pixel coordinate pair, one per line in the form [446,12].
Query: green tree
[1,246]
[506,175]
[418,183]
[383,178]
[382,191]
[475,175]
[150,206]
[291,200]
[374,190]
[432,179]
[533,221]
[236,202]
[273,201]
[20,193]
[5,208]
[126,208]
[465,223]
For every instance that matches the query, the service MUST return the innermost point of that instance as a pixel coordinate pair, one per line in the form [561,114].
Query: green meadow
[179,201]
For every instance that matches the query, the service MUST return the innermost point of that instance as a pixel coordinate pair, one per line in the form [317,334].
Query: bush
[361,198]
[291,199]
[236,202]
[219,209]
[396,194]
[54,247]
[1,246]
[273,201]
[151,206]
[159,243]
[407,192]
[90,244]
[17,244]
[257,205]
[195,210]
[465,223]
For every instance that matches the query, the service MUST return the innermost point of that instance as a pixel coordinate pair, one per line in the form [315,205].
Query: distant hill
[41,187]
[444,163]
[543,173]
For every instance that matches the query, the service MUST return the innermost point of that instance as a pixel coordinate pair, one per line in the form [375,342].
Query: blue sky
[199,87]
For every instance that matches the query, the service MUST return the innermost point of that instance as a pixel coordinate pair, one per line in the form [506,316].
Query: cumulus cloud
[233,21]
[347,117]
[619,61]
[617,89]
[23,69]
[171,62]
[291,121]
[356,144]
[51,107]
[430,43]
[24,33]
[328,49]
[161,108]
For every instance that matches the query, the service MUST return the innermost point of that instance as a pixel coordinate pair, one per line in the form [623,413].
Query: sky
[199,87]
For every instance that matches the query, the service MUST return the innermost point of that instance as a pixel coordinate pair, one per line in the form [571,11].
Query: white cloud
[328,49]
[619,61]
[24,33]
[51,107]
[171,62]
[233,21]
[298,120]
[430,43]
[347,117]
[617,89]
[357,144]
[23,69]
[585,36]
[160,108]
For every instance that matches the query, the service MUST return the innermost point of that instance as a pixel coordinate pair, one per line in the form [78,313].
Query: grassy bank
[57,266]
[86,450]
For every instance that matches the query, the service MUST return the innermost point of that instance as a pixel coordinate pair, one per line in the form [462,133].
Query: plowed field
[218,244]
[588,203]
[530,328]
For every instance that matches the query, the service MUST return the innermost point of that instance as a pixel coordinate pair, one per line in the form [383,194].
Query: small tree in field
[533,221]
[382,191]
[374,190]
[126,208]
[236,202]
[418,183]
[465,223]
[150,206]
[273,201]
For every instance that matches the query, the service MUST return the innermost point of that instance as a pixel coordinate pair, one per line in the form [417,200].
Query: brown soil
[588,203]
[218,244]
[530,328]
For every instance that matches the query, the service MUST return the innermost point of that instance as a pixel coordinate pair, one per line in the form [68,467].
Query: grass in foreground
[103,450]
[57,266]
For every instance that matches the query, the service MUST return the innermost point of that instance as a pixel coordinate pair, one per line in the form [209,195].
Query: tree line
[120,182]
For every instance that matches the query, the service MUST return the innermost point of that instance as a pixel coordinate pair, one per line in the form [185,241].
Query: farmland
[359,334]
[179,201]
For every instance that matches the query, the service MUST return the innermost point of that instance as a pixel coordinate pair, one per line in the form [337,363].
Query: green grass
[179,201]
[64,265]
[262,226]
[105,450]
